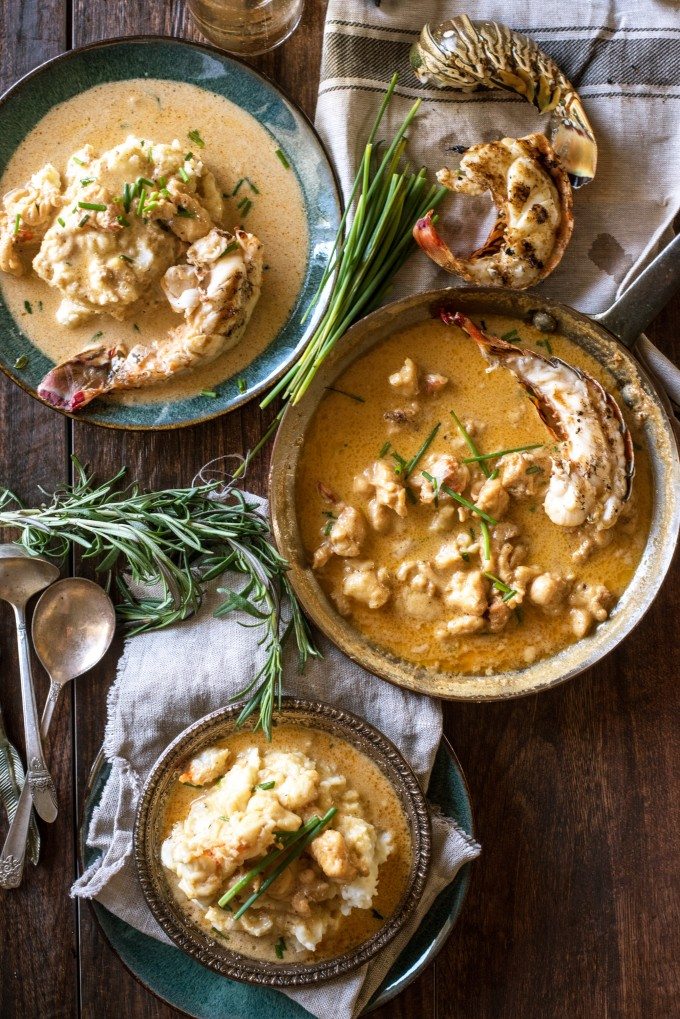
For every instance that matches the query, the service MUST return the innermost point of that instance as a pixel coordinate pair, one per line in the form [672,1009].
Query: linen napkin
[624,59]
[170,678]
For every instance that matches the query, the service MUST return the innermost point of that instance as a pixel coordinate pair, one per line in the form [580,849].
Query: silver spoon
[21,577]
[73,626]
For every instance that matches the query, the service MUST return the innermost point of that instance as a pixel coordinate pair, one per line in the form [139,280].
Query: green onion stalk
[374,240]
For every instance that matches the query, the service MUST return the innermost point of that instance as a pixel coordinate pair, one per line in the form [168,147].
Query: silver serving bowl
[632,383]
[148,836]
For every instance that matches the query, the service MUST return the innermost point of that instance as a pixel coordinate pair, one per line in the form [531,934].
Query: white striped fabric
[624,58]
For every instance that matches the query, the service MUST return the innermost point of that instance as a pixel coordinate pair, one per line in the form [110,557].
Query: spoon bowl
[73,626]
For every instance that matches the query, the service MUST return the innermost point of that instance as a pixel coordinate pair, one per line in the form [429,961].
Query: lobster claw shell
[472,55]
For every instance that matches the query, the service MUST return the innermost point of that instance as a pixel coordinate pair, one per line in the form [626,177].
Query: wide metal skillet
[610,338]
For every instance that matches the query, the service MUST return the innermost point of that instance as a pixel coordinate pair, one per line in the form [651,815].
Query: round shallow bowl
[148,834]
[627,376]
[69,74]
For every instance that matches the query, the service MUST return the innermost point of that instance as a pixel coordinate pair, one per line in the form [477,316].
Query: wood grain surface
[573,906]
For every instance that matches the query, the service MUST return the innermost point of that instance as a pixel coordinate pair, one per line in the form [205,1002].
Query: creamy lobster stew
[140,221]
[243,800]
[473,565]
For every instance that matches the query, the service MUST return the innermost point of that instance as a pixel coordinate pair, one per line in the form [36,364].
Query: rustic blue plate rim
[55,80]
[185,984]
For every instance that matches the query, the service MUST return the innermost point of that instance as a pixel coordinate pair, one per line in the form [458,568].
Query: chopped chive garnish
[27,306]
[140,201]
[247,206]
[93,206]
[548,346]
[500,452]
[400,463]
[343,392]
[282,858]
[470,443]
[469,505]
[80,162]
[185,213]
[123,221]
[209,393]
[486,539]
[136,188]
[494,474]
[183,174]
[232,246]
[281,156]
[97,335]
[385,450]
[17,223]
[60,221]
[237,188]
[146,182]
[243,203]
[253,187]
[40,306]
[423,449]
[511,335]
[86,180]
[162,181]
[126,258]
[280,948]
[266,785]
[241,385]
[127,197]
[435,485]
[21,362]
[84,219]
[508,592]
[195,137]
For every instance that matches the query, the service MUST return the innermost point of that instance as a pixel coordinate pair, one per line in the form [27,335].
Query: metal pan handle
[645,297]
[641,303]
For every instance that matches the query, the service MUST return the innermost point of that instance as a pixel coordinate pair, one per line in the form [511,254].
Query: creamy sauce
[345,436]
[381,806]
[236,146]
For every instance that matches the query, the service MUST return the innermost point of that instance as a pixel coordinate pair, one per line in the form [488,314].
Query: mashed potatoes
[244,802]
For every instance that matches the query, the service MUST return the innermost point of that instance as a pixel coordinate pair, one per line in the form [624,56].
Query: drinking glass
[246,26]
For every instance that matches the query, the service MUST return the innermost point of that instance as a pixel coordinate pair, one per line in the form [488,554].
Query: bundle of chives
[386,200]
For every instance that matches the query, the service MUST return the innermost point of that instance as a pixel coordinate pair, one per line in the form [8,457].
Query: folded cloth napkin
[624,58]
[170,678]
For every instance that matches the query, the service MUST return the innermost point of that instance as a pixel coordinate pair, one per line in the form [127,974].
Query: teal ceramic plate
[184,983]
[171,59]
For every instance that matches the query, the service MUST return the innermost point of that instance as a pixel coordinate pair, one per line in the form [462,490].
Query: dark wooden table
[573,907]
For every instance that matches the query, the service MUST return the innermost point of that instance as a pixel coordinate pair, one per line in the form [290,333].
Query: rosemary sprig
[177,539]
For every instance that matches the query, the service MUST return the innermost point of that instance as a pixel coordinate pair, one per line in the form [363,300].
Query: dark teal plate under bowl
[182,982]
[150,57]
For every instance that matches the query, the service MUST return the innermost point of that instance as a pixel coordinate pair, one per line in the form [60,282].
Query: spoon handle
[38,778]
[13,853]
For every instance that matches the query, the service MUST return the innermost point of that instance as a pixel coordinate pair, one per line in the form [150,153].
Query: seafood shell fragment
[594,463]
[533,200]
[471,55]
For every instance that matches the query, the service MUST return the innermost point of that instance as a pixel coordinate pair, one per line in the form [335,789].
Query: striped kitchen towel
[623,58]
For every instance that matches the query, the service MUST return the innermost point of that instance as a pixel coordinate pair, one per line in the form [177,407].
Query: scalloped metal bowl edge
[211,953]
[570,661]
